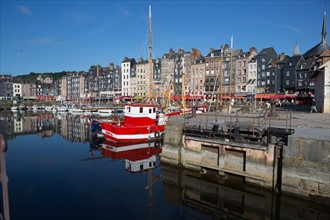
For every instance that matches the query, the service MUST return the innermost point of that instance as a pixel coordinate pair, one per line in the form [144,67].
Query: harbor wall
[306,166]
[254,164]
[301,168]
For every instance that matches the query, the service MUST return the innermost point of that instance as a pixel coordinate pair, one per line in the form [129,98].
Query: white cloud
[289,28]
[44,41]
[24,10]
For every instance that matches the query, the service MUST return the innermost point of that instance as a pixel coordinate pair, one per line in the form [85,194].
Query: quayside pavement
[304,123]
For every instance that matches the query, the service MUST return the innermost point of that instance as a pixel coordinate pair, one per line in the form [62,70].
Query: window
[268,73]
[287,82]
[287,73]
[263,66]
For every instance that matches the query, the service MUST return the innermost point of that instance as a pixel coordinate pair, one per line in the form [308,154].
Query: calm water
[55,171]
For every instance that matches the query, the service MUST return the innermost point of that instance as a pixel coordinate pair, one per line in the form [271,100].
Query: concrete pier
[298,164]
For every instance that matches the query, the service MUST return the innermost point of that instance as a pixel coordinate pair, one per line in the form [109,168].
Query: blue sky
[53,36]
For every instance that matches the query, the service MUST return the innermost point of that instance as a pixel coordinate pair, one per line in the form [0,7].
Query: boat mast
[183,89]
[150,56]
[231,74]
[220,81]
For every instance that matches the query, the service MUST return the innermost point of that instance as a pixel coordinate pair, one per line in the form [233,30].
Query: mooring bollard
[3,143]
[4,178]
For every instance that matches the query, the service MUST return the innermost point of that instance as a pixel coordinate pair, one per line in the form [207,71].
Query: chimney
[281,56]
[98,70]
[111,66]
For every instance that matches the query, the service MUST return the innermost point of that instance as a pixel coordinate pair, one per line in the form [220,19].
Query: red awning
[265,95]
[278,96]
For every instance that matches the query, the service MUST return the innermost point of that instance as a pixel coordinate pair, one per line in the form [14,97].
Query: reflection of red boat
[138,157]
[140,123]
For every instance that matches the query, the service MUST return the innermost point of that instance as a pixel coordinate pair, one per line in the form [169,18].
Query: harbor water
[54,169]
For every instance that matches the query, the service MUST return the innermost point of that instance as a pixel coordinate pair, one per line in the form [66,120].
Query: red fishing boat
[137,157]
[139,123]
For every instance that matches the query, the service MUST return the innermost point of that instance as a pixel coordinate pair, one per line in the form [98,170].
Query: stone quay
[285,151]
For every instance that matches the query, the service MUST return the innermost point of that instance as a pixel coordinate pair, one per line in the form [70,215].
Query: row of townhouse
[241,74]
[13,87]
[224,71]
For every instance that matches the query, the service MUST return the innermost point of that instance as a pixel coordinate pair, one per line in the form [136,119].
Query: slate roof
[294,60]
[317,50]
[265,51]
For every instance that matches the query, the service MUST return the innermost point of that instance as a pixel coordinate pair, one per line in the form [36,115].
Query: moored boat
[140,122]
[75,111]
[105,112]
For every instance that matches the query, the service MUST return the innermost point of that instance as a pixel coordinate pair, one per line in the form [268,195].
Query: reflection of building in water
[231,199]
[7,126]
[75,128]
[30,124]
[63,125]
[18,125]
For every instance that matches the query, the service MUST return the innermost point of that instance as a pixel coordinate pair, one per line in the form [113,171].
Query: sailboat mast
[220,80]
[183,88]
[150,54]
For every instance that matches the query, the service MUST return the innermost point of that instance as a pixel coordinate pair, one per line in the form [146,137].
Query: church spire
[324,33]
[296,50]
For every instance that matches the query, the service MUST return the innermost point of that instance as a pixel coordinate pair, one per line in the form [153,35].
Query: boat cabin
[141,110]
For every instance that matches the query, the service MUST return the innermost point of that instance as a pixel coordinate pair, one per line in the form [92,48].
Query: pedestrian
[313,108]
